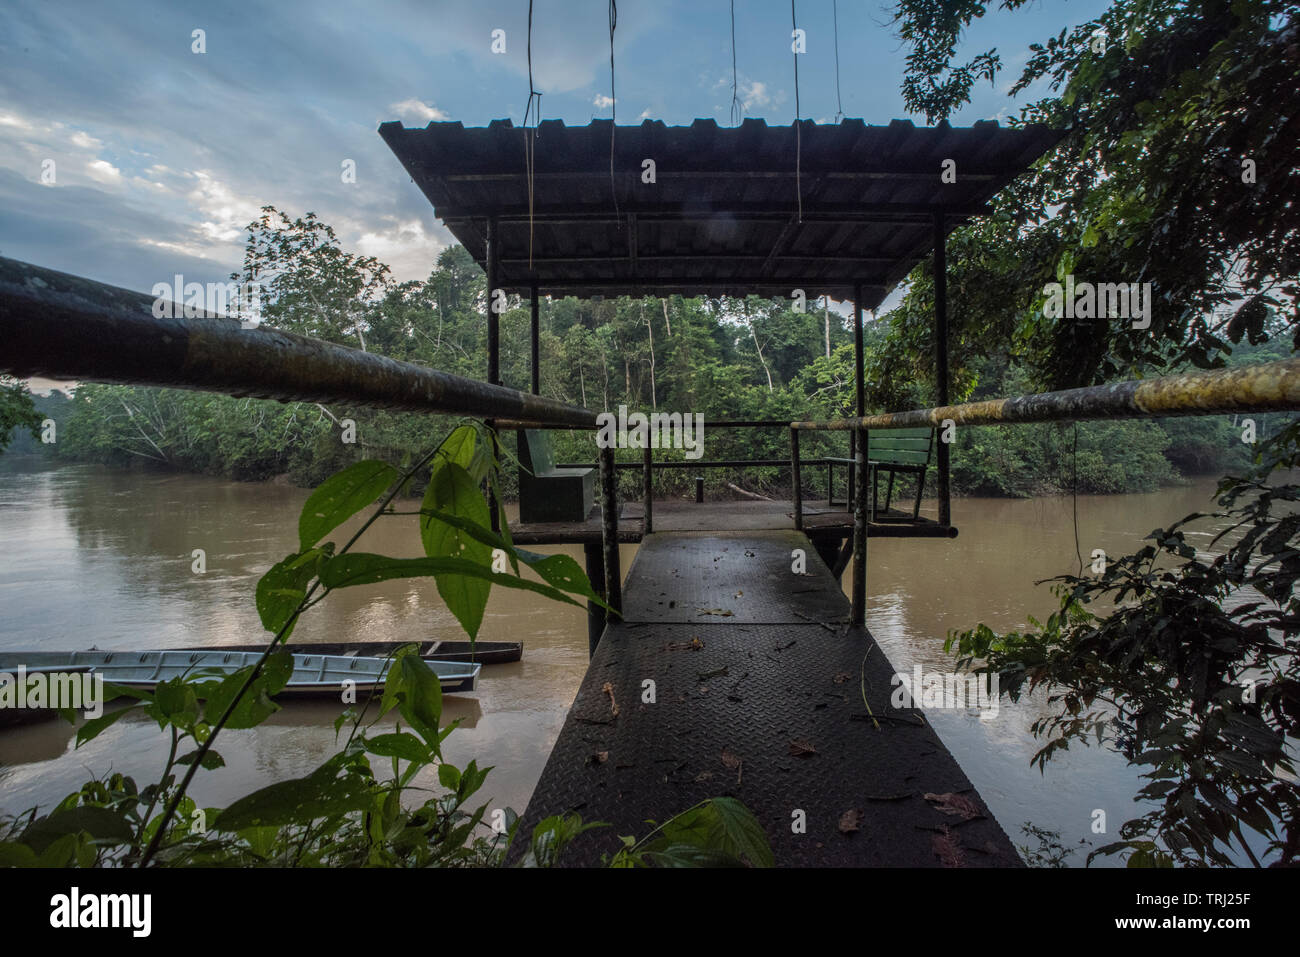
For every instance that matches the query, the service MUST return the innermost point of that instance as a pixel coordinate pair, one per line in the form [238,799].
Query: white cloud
[602,101]
[404,247]
[85,141]
[104,172]
[419,110]
[753,94]
[227,215]
[646,114]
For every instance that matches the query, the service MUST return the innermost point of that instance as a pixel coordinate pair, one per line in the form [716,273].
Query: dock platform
[762,692]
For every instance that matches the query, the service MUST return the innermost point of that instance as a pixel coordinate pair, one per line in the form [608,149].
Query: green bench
[547,493]
[899,450]
[891,451]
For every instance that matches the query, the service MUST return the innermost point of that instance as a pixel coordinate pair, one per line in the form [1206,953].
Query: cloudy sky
[160,155]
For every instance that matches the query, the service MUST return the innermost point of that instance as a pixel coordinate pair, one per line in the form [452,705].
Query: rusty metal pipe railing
[1265,387]
[66,327]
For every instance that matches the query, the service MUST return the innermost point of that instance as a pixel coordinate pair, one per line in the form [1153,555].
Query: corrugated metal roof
[725,214]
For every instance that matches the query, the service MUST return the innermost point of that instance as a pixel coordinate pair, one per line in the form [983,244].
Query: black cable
[798,137]
[839,103]
[530,146]
[613,106]
[736,111]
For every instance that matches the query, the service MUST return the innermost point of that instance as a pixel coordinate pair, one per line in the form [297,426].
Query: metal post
[859,609]
[941,355]
[647,489]
[609,530]
[796,480]
[699,490]
[859,373]
[596,575]
[536,335]
[492,267]
[859,386]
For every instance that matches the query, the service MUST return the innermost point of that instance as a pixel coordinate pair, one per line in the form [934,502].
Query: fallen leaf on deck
[947,848]
[850,821]
[733,762]
[842,677]
[720,612]
[613,705]
[802,749]
[955,804]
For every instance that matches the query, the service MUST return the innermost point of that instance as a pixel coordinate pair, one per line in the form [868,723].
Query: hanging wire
[533,109]
[613,106]
[736,110]
[798,145]
[839,103]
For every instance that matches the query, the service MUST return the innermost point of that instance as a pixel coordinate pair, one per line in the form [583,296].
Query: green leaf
[299,801]
[13,854]
[398,745]
[340,497]
[449,776]
[689,855]
[282,589]
[94,727]
[361,568]
[211,760]
[256,704]
[420,697]
[462,448]
[261,840]
[722,825]
[562,572]
[451,489]
[99,822]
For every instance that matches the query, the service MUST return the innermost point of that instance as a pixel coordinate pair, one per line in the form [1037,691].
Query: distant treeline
[727,359]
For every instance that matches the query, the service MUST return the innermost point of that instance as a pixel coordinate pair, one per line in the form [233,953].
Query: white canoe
[318,675]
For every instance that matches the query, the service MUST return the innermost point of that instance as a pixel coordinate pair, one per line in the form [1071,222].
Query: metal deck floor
[784,729]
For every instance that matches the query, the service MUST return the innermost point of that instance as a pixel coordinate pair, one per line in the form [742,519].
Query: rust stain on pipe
[1266,387]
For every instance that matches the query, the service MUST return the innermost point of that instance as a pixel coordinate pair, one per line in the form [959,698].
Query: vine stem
[206,745]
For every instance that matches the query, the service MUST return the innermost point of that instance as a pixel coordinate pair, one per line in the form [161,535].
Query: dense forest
[725,359]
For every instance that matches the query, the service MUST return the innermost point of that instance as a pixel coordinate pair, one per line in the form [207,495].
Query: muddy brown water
[96,557]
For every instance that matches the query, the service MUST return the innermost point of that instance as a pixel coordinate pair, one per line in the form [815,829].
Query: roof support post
[536,335]
[859,390]
[492,264]
[941,355]
[492,260]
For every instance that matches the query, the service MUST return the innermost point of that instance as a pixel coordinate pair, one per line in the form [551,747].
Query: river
[98,557]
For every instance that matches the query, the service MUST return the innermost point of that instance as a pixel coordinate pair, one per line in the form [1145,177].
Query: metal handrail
[66,327]
[1263,387]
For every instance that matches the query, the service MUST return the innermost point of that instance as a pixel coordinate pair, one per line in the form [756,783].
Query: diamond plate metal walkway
[764,693]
